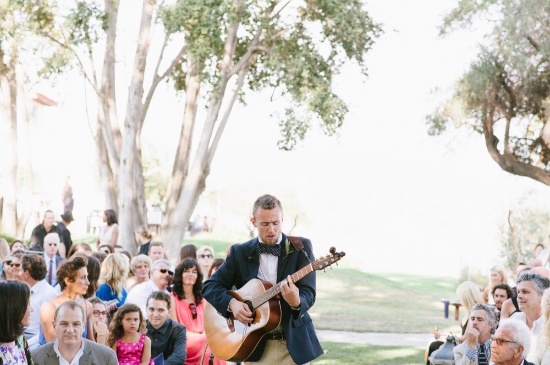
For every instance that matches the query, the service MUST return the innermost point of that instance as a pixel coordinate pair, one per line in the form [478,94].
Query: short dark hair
[215,265]
[72,305]
[35,265]
[503,286]
[267,202]
[13,310]
[110,248]
[188,251]
[160,295]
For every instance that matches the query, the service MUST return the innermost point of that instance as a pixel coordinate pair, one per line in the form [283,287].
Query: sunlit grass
[342,353]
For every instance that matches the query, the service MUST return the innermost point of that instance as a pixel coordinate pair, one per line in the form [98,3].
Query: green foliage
[86,22]
[292,56]
[509,83]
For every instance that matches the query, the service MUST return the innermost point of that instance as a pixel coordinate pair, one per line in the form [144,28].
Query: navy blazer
[242,265]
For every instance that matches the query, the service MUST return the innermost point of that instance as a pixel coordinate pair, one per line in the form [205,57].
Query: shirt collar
[278,241]
[78,354]
[162,329]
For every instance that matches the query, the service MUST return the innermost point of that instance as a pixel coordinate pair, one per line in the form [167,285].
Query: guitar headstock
[328,260]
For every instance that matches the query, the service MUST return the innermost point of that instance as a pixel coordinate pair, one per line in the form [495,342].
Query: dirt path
[378,339]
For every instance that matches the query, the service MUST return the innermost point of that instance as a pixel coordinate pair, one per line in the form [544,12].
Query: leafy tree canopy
[505,93]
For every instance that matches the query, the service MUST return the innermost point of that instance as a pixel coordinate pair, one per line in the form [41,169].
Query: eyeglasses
[193,308]
[501,341]
[208,256]
[14,264]
[97,313]
[164,271]
[52,244]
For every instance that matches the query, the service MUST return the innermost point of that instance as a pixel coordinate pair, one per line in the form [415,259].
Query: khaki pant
[275,353]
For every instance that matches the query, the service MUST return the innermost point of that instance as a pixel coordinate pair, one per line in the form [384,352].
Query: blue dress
[106,293]
[42,339]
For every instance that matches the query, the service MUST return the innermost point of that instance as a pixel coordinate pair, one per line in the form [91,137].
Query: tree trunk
[8,182]
[181,161]
[131,211]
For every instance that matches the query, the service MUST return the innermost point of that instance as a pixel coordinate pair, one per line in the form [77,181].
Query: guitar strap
[296,242]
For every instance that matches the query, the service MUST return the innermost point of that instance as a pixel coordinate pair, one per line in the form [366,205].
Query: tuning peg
[332,250]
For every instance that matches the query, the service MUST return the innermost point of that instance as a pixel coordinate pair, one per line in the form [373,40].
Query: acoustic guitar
[234,341]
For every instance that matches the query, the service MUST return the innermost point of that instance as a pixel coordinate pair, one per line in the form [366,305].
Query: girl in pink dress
[189,308]
[127,337]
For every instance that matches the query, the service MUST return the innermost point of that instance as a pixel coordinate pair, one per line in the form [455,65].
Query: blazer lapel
[283,261]
[253,258]
[51,356]
[86,358]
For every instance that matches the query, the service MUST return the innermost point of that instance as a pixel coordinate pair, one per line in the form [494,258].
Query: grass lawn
[349,354]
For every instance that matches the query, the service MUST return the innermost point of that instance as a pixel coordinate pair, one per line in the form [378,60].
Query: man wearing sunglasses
[161,278]
[476,349]
[51,243]
[271,257]
[511,343]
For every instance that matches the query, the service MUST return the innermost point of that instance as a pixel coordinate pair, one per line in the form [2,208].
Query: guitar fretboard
[276,289]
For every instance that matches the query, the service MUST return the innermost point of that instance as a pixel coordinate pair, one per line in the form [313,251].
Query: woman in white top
[108,234]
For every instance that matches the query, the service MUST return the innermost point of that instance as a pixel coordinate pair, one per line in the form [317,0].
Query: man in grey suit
[69,347]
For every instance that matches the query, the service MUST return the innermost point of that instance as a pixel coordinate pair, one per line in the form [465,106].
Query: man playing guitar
[271,257]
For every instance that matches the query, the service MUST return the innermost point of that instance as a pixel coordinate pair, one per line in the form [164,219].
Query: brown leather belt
[275,335]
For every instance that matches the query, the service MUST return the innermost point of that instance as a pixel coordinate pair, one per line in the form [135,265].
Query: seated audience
[510,306]
[156,251]
[17,245]
[498,276]
[531,287]
[161,278]
[477,346]
[14,316]
[469,294]
[511,344]
[140,268]
[168,337]
[188,251]
[114,272]
[189,307]
[127,337]
[51,244]
[99,321]
[72,275]
[33,272]
[215,266]
[80,247]
[205,256]
[69,346]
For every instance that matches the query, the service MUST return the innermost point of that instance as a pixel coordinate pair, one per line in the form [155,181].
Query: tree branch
[157,79]
[82,69]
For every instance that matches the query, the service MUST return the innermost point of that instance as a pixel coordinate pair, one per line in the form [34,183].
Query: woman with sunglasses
[205,256]
[189,310]
[7,273]
[16,264]
[99,320]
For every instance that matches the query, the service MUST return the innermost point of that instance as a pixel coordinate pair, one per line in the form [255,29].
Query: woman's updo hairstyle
[68,269]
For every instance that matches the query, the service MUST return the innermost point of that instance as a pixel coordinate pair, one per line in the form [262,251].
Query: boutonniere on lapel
[288,248]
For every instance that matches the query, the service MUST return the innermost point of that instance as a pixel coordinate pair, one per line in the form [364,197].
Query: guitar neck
[276,289]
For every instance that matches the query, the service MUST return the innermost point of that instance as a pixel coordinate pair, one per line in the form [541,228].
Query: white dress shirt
[139,294]
[40,293]
[268,265]
[76,359]
[535,333]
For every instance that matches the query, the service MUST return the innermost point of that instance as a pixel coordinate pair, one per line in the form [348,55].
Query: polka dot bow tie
[274,250]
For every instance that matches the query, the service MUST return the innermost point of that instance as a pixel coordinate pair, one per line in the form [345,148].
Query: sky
[390,196]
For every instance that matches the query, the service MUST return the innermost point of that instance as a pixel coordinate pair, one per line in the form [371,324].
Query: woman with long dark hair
[189,309]
[14,316]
